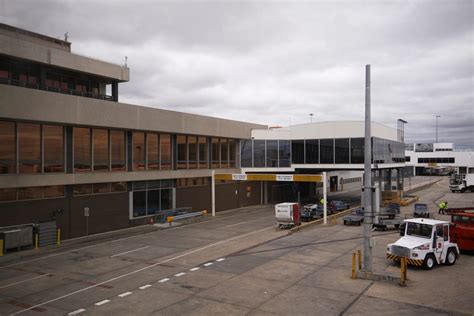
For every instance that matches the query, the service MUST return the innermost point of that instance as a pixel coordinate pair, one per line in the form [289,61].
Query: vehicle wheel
[429,262]
[397,226]
[462,190]
[450,257]
[345,222]
[453,191]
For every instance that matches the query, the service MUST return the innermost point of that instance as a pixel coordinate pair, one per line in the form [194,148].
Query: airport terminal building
[72,154]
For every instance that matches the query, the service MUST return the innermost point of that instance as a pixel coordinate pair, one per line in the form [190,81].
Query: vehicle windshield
[419,230]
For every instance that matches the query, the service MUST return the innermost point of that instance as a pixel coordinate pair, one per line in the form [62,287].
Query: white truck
[425,243]
[287,214]
[462,183]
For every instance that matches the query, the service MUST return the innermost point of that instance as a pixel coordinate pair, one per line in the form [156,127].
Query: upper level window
[165,151]
[139,154]
[29,147]
[53,144]
[82,149]
[117,147]
[312,151]
[232,152]
[153,150]
[101,149]
[182,152]
[7,147]
[202,152]
[224,153]
[193,152]
[327,151]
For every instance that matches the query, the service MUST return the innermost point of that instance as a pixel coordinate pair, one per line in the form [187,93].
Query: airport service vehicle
[425,243]
[462,229]
[420,210]
[312,211]
[462,183]
[287,215]
[355,218]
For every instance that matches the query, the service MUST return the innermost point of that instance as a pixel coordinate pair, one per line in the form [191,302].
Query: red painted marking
[24,305]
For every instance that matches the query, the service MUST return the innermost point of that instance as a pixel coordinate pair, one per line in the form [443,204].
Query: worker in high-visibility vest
[322,201]
[443,208]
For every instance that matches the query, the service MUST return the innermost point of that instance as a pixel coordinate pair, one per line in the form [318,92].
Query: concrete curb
[321,220]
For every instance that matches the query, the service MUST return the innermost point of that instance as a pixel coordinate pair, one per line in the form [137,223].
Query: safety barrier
[358,264]
[171,219]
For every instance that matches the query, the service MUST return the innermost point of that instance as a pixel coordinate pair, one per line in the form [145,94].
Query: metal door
[47,233]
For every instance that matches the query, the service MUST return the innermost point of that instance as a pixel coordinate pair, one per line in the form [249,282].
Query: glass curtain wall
[232,153]
[118,151]
[53,144]
[224,153]
[327,151]
[342,152]
[29,148]
[312,151]
[284,153]
[193,152]
[272,153]
[165,151]
[100,138]
[357,150]
[297,151]
[182,152]
[82,149]
[202,144]
[139,151]
[246,153]
[152,197]
[153,151]
[258,153]
[7,148]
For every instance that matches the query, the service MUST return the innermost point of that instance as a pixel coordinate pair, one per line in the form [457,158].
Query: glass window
[215,150]
[139,154]
[272,153]
[297,151]
[259,153]
[139,203]
[153,201]
[53,191]
[224,153]
[7,148]
[246,153]
[182,152]
[284,153]
[53,140]
[82,189]
[117,139]
[202,152]
[82,149]
[327,150]
[101,149]
[29,148]
[232,152]
[153,151]
[312,151]
[119,186]
[165,150]
[30,193]
[101,188]
[357,150]
[166,199]
[341,146]
[192,147]
[7,194]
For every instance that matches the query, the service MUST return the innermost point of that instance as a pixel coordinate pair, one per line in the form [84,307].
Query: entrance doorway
[333,183]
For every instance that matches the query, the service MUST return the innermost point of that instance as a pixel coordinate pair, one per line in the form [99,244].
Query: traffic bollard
[354,276]
[58,236]
[359,255]
[1,247]
[36,241]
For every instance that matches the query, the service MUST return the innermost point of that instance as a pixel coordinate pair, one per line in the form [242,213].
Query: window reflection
[232,152]
[327,151]
[182,152]
[215,152]
[153,150]
[193,152]
[53,143]
[272,154]
[246,153]
[224,153]
[165,150]
[82,149]
[284,153]
[117,139]
[312,151]
[202,152]
[139,154]
[357,150]
[101,149]
[7,147]
[297,151]
[29,147]
[342,150]
[259,153]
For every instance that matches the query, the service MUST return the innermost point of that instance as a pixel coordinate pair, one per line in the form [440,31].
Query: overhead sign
[284,177]
[240,177]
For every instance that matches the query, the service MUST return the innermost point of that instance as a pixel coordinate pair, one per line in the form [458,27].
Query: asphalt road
[237,264]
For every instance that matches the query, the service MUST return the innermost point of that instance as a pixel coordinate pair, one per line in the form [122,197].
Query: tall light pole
[311,117]
[437,116]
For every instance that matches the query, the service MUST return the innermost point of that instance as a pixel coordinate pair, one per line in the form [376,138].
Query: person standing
[443,207]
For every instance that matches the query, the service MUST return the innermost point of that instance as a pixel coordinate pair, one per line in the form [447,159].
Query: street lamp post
[311,117]
[437,116]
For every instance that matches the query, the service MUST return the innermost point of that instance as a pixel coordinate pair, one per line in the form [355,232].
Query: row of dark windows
[436,160]
[265,153]
[43,148]
[31,193]
[328,151]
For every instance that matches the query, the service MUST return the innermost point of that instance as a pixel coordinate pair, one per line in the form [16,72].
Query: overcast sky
[276,62]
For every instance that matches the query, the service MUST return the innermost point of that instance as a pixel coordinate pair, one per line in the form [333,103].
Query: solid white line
[234,224]
[78,311]
[144,268]
[124,294]
[102,302]
[145,286]
[124,253]
[164,280]
[220,259]
[194,269]
[180,274]
[12,284]
[208,264]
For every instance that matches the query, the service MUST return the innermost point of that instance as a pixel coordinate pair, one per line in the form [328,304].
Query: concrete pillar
[115,91]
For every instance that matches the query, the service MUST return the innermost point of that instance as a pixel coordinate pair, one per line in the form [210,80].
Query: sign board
[284,177]
[86,211]
[241,177]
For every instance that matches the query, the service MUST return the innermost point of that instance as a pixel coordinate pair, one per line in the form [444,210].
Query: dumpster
[287,215]
[16,238]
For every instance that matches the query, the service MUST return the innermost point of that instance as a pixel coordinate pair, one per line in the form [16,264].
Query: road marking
[145,286]
[194,269]
[124,253]
[208,264]
[145,268]
[220,259]
[102,302]
[12,284]
[164,280]
[78,311]
[124,294]
[234,224]
[180,274]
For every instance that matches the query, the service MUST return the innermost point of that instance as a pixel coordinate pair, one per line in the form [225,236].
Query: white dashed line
[164,280]
[208,264]
[180,274]
[78,311]
[102,302]
[194,269]
[145,286]
[220,259]
[124,294]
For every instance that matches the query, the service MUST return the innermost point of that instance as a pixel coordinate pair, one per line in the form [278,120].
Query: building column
[115,91]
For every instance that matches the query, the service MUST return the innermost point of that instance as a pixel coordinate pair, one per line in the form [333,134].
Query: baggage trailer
[462,229]
[287,215]
[420,210]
